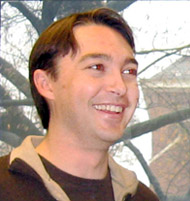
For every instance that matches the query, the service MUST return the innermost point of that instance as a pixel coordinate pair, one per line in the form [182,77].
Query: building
[166,92]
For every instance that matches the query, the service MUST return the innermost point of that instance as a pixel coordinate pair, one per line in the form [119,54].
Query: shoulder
[5,178]
[4,166]
[144,193]
[18,180]
[4,160]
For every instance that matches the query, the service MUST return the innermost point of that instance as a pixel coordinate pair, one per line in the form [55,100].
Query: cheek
[87,87]
[133,93]
[78,95]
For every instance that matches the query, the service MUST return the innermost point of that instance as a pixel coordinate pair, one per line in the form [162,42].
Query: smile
[110,108]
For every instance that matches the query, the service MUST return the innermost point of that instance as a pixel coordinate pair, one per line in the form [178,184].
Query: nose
[116,84]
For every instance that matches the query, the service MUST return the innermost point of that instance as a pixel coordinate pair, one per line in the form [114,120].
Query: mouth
[109,108]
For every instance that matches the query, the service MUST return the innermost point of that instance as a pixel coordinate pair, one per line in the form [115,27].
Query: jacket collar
[26,152]
[124,181]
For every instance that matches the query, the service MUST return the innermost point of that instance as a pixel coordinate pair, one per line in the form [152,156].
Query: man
[83,81]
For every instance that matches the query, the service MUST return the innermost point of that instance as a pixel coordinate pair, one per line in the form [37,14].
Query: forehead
[95,37]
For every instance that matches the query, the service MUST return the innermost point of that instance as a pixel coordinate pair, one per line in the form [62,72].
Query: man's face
[96,92]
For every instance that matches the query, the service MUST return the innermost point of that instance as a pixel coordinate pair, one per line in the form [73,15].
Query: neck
[73,157]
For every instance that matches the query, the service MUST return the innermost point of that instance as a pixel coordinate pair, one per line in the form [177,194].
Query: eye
[130,72]
[98,67]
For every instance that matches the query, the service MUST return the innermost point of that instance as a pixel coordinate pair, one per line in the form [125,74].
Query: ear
[43,83]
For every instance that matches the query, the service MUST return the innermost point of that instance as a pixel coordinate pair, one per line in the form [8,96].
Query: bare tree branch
[167,54]
[119,5]
[8,103]
[157,60]
[11,74]
[36,22]
[163,50]
[177,173]
[14,121]
[154,124]
[10,138]
[146,168]
[49,14]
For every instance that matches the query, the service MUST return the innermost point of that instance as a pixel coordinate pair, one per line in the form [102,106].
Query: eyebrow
[107,58]
[131,61]
[95,56]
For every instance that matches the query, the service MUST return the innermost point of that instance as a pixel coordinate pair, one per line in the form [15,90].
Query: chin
[111,136]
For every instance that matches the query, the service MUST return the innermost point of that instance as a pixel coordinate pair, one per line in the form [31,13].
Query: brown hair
[58,40]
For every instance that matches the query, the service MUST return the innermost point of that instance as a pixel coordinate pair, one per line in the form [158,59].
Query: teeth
[111,108]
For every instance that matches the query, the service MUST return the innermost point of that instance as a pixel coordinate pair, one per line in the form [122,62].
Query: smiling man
[83,76]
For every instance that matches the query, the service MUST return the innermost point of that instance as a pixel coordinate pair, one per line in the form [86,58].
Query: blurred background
[156,144]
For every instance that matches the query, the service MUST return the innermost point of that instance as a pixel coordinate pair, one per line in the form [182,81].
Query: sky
[159,25]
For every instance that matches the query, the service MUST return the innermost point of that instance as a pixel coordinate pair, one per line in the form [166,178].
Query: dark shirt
[20,182]
[80,189]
